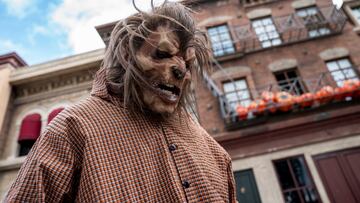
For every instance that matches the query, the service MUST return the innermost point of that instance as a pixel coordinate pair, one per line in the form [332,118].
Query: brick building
[286,153]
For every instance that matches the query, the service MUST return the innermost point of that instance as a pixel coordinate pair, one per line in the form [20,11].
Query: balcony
[306,89]
[280,31]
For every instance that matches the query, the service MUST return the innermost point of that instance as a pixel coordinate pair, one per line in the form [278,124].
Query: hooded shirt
[98,151]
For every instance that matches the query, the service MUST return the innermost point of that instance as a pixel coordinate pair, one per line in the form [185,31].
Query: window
[266,32]
[29,131]
[220,40]
[289,81]
[237,92]
[356,13]
[295,181]
[313,21]
[341,70]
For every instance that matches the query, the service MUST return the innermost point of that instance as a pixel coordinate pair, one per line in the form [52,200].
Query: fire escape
[291,29]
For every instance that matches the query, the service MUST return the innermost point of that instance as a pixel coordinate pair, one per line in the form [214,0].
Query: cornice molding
[58,67]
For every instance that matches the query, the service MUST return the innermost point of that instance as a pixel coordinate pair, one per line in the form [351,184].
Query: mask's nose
[177,72]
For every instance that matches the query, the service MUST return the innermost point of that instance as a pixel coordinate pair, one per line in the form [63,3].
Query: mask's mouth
[168,88]
[169,93]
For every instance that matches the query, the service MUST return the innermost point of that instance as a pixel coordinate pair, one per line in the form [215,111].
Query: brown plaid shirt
[96,151]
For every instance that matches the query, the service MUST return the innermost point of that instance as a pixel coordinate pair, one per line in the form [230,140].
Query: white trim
[282,64]
[334,53]
[259,13]
[303,3]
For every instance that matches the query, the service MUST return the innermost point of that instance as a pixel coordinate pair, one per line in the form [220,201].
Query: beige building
[33,95]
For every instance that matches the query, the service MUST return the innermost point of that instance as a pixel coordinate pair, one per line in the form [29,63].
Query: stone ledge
[11,163]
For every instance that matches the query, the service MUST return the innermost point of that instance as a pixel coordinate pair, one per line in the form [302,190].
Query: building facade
[268,54]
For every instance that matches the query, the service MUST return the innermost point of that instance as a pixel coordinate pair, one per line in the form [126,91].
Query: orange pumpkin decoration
[349,87]
[305,100]
[339,95]
[267,96]
[271,106]
[257,107]
[242,112]
[325,95]
[284,100]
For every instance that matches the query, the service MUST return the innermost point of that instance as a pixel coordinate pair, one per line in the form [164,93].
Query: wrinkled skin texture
[164,64]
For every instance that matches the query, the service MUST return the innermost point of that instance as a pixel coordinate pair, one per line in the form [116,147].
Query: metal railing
[309,84]
[291,28]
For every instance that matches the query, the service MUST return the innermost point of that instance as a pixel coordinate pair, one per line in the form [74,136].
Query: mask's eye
[162,54]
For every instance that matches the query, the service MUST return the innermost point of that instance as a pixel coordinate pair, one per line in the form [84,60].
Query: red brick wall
[306,53]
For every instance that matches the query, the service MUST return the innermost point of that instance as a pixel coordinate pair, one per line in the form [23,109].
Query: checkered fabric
[96,151]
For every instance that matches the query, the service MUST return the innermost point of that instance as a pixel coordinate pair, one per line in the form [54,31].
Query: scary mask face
[166,68]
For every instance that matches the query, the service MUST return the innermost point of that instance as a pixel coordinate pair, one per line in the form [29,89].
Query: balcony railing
[312,85]
[291,29]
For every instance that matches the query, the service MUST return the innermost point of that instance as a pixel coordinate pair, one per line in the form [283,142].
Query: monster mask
[153,57]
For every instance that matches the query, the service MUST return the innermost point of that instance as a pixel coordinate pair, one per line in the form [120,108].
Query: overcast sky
[42,30]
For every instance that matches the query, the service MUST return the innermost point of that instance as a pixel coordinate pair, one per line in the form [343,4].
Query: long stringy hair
[123,75]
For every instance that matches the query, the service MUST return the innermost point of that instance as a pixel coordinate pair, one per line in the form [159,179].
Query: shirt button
[172,147]
[186,184]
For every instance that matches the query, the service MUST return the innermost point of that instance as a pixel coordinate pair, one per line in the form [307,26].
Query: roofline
[59,66]
[4,59]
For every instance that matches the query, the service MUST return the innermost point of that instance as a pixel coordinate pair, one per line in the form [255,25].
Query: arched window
[54,113]
[29,131]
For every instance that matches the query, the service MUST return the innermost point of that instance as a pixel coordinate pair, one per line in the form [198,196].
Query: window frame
[351,67]
[237,90]
[220,42]
[267,33]
[320,19]
[297,187]
[288,80]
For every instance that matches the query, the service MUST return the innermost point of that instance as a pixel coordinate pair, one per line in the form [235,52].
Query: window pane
[221,40]
[292,197]
[298,167]
[241,84]
[309,195]
[344,63]
[267,21]
[256,23]
[276,42]
[229,87]
[332,66]
[349,73]
[237,92]
[284,174]
[266,44]
[259,30]
[244,95]
[265,31]
[338,75]
[324,31]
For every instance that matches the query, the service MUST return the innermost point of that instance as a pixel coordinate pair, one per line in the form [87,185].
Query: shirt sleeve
[231,182]
[49,173]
